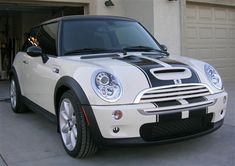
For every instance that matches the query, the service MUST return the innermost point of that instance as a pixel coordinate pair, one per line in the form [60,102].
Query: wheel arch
[14,73]
[68,83]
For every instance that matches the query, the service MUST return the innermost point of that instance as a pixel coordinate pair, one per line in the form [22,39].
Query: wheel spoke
[74,131]
[73,139]
[13,94]
[74,120]
[68,139]
[65,128]
[64,116]
[67,107]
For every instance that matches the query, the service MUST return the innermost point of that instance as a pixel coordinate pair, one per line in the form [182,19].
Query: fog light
[116,129]
[224,99]
[117,114]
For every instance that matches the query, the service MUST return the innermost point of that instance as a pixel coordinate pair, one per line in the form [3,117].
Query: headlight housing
[106,86]
[213,76]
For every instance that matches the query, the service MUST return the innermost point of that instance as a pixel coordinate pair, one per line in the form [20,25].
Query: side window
[46,38]
[30,38]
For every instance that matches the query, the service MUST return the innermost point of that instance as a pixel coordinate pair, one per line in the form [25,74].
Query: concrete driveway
[31,140]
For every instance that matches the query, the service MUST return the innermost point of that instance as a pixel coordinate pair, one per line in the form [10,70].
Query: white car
[107,81]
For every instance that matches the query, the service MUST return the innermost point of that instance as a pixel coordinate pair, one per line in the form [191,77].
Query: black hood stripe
[145,64]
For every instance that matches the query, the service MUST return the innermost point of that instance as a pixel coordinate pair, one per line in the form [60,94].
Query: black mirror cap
[34,51]
[164,47]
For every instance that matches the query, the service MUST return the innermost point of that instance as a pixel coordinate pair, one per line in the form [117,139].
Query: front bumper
[132,122]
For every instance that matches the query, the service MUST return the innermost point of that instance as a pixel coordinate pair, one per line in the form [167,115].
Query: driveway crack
[3,161]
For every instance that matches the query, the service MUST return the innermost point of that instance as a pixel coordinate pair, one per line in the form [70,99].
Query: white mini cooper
[107,81]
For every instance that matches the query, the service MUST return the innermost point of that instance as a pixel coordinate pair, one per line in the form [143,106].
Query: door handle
[25,62]
[56,70]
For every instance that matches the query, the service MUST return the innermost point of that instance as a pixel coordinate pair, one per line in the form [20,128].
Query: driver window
[30,39]
[46,38]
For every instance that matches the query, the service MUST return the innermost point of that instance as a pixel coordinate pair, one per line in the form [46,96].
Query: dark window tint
[104,34]
[46,38]
[30,38]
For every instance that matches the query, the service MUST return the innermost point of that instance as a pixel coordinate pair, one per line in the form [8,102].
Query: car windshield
[100,36]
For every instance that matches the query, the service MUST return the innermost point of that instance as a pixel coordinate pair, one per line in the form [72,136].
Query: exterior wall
[167,24]
[160,17]
[117,10]
[141,10]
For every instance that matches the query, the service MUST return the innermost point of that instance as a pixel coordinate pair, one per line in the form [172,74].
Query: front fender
[66,83]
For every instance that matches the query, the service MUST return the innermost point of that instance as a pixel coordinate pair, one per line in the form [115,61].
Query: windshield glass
[97,36]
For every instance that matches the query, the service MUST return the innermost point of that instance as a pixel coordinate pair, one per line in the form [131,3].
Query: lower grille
[176,128]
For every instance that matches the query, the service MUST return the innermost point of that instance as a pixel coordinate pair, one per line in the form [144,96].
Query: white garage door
[210,36]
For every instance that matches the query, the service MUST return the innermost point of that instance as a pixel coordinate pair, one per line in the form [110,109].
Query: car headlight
[106,86]
[213,76]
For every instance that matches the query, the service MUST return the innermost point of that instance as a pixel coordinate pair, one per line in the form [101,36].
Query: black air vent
[176,128]
[169,71]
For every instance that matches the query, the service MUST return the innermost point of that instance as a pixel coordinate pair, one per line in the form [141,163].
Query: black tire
[19,106]
[85,145]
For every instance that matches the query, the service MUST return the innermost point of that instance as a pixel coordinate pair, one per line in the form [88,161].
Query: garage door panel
[191,13]
[205,13]
[232,33]
[220,14]
[225,74]
[221,33]
[210,36]
[221,63]
[224,52]
[231,15]
[206,33]
[208,52]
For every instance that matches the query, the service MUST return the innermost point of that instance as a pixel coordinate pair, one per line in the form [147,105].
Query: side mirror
[34,51]
[164,47]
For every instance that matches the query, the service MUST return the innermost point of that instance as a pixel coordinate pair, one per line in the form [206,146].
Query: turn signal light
[117,114]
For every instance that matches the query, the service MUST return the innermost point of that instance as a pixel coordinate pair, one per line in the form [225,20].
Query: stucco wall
[167,24]
[160,17]
[117,10]
[141,10]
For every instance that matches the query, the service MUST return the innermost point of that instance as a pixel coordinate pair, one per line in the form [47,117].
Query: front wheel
[75,133]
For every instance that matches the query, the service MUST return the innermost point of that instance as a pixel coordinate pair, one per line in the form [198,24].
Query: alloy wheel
[68,124]
[13,94]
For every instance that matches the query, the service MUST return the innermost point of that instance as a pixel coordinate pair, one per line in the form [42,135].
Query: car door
[40,79]
[30,40]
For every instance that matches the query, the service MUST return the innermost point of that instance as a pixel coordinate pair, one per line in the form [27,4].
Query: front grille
[176,128]
[173,92]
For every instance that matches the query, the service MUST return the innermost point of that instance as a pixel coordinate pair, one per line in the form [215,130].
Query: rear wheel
[15,96]
[75,133]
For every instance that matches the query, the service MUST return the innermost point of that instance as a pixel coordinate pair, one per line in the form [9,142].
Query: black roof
[88,17]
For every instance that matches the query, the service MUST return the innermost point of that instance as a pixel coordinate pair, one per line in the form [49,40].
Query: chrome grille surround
[178,92]
[173,92]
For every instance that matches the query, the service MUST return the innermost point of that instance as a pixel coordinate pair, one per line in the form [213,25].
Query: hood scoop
[171,73]
[99,56]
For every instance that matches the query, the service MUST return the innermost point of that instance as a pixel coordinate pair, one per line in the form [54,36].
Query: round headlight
[106,86]
[213,76]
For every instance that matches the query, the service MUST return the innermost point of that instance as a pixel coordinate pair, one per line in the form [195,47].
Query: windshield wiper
[143,48]
[87,51]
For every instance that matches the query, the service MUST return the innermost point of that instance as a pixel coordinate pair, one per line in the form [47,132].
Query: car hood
[158,71]
[136,73]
